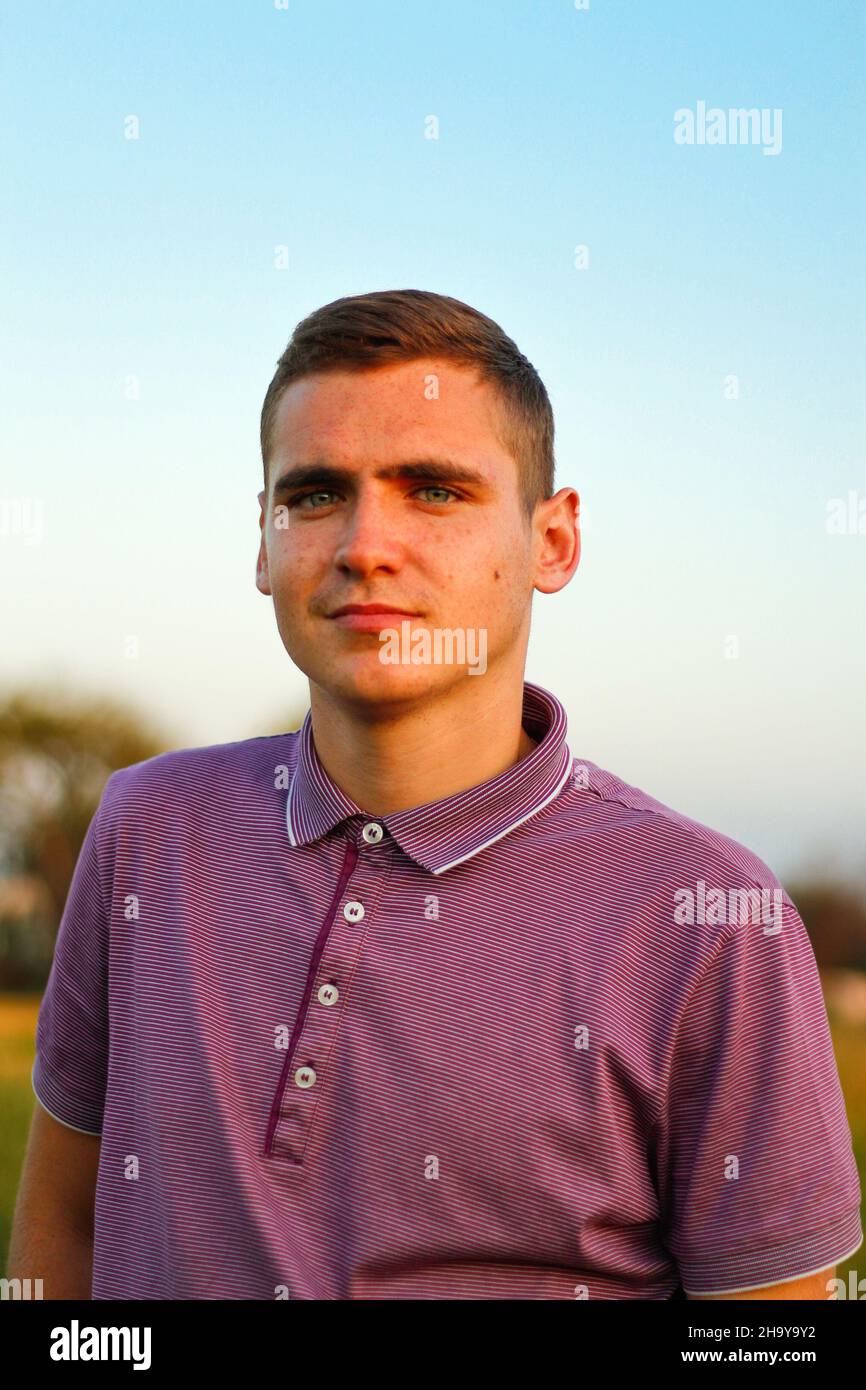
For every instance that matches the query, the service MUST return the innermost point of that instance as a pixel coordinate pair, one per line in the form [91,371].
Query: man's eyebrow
[321,474]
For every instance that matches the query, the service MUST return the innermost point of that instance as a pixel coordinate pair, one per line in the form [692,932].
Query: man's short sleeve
[71,1065]
[757,1177]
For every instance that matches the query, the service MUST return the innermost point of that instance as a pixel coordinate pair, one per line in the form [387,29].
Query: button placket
[340,942]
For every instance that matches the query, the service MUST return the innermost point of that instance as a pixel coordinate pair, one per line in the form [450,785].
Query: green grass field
[17,1035]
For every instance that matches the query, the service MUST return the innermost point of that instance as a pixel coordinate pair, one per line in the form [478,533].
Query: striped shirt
[545,1038]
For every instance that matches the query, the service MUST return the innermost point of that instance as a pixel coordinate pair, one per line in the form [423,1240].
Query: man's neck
[423,752]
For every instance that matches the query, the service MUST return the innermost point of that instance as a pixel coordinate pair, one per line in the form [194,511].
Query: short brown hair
[364,331]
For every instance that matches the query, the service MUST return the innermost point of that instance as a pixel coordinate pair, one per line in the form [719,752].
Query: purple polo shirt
[505,1044]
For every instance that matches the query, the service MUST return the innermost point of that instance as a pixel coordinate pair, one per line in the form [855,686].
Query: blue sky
[152,260]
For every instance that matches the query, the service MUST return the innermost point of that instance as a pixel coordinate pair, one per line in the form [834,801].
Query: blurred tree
[56,754]
[834,915]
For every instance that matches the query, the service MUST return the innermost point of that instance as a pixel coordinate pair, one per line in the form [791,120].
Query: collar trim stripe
[442,834]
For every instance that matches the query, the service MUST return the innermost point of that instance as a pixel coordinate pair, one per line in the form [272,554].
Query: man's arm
[52,1231]
[813,1286]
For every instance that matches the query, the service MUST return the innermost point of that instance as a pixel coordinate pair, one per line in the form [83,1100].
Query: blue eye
[306,496]
[434,488]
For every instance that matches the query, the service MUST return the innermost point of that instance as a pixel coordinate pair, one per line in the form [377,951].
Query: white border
[508,829]
[94,1133]
[789,1279]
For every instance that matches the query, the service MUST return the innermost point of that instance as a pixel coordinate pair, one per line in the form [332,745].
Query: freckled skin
[401,541]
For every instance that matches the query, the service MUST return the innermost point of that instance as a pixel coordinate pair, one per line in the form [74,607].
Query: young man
[414,1003]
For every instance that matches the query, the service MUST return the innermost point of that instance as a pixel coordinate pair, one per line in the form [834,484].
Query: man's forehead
[325,430]
[423,392]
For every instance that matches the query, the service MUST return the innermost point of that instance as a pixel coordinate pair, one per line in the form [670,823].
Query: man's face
[345,522]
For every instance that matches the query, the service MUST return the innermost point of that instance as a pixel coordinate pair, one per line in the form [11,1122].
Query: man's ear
[263,583]
[559,531]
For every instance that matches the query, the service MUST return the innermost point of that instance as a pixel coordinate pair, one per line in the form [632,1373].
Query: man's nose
[370,537]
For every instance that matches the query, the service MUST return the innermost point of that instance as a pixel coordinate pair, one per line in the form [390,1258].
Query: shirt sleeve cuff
[775,1263]
[74,1113]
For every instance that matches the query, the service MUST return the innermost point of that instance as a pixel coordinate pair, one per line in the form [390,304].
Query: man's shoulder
[203,775]
[652,833]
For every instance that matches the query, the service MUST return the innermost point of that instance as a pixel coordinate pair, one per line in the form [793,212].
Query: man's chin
[365,680]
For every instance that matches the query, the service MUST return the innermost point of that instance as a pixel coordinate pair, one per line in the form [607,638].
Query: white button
[372,833]
[353,912]
[328,995]
[305,1077]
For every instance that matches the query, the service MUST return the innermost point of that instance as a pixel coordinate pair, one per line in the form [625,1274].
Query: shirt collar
[443,833]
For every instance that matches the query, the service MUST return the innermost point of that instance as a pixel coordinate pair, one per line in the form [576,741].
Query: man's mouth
[369,617]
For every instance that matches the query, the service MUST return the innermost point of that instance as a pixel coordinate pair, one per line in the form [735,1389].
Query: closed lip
[369,608]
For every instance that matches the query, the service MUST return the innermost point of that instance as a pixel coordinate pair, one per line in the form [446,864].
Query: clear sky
[144,312]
